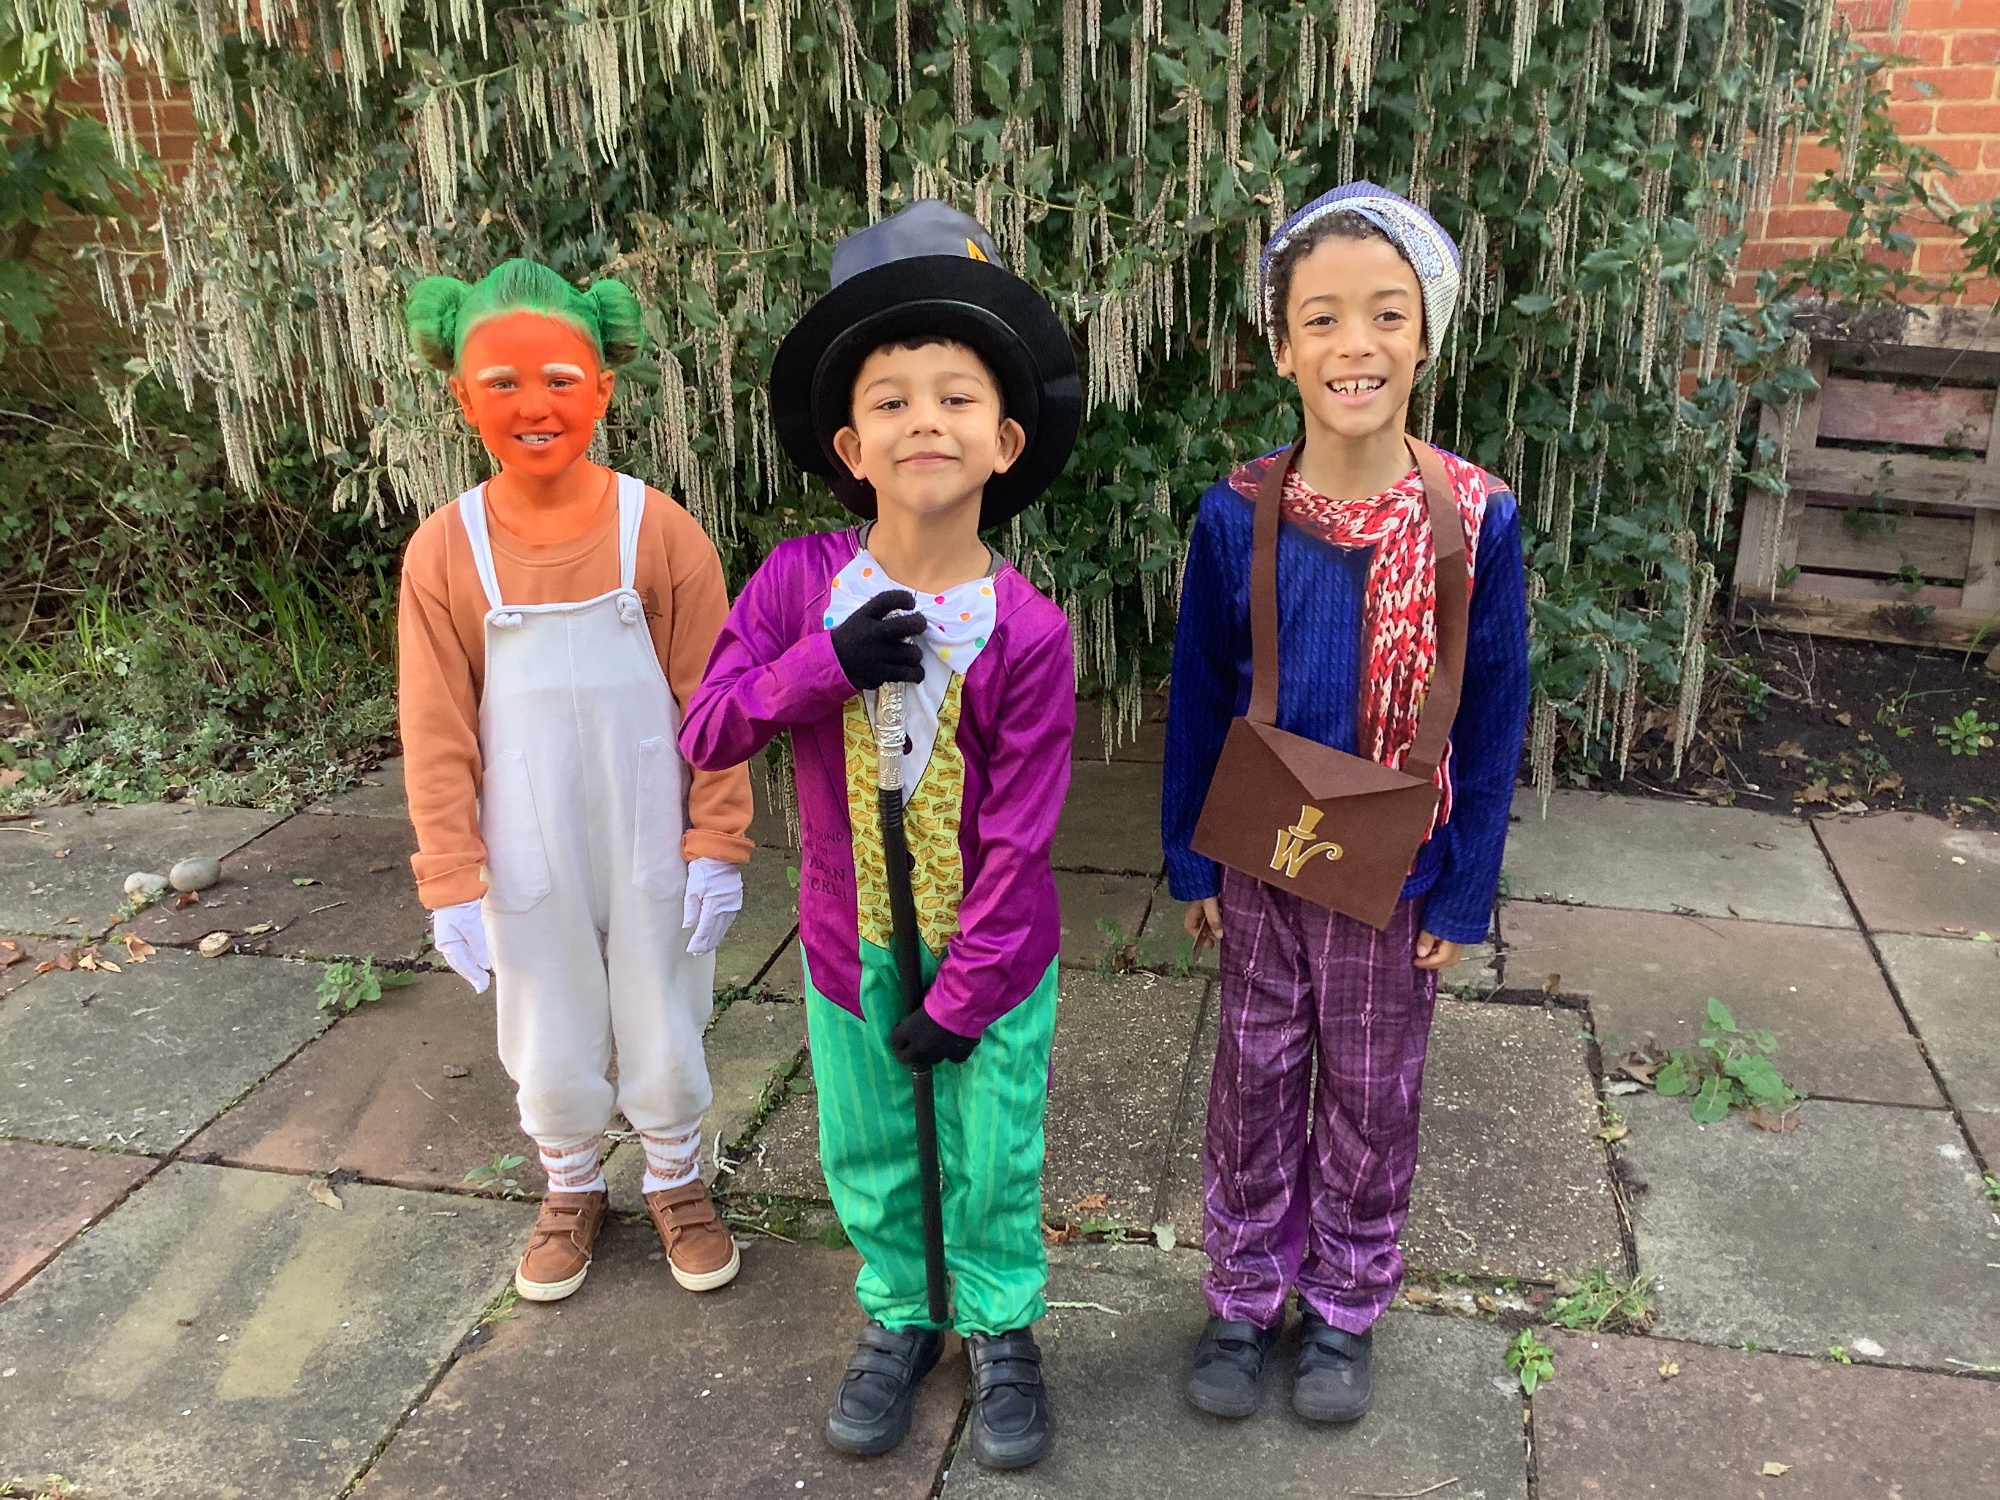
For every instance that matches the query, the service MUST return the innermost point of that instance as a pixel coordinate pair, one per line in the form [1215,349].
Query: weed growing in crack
[349,983]
[1603,1303]
[497,1176]
[1729,1067]
[1530,1361]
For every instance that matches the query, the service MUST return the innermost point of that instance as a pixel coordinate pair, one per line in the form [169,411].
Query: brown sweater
[441,632]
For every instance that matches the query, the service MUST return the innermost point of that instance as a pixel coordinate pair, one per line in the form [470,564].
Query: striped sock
[673,1158]
[575,1168]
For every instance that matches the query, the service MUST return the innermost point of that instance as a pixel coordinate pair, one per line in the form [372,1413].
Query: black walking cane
[889,738]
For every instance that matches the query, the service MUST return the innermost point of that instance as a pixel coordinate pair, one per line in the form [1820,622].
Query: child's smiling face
[1353,335]
[534,388]
[928,428]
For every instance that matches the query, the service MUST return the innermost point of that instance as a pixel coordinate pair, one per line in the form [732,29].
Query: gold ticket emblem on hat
[975,252]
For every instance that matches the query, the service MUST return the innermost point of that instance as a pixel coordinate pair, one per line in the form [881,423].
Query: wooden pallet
[1888,541]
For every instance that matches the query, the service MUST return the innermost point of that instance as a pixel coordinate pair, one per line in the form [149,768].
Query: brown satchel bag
[1336,829]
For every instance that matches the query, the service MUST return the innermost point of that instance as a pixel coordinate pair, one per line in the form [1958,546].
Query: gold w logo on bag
[1296,845]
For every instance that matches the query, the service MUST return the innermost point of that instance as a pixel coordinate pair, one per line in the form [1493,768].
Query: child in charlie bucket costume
[553,621]
[1307,1182]
[939,396]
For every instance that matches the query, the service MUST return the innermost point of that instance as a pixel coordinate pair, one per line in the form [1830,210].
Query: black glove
[873,650]
[919,1042]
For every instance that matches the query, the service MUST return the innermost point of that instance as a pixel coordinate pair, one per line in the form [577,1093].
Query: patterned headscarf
[1432,253]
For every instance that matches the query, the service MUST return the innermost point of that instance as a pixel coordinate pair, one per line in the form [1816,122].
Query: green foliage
[1730,1067]
[165,635]
[1603,1303]
[349,983]
[1967,734]
[497,1176]
[1530,1360]
[56,155]
[1599,162]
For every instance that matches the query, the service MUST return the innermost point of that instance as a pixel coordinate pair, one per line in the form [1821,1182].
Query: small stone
[143,885]
[196,874]
[457,1070]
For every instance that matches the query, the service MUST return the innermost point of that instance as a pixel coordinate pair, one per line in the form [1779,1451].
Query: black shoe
[871,1413]
[1231,1361]
[1012,1424]
[1335,1377]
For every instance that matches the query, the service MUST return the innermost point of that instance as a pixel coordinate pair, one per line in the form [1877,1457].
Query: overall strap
[472,512]
[631,509]
[1452,600]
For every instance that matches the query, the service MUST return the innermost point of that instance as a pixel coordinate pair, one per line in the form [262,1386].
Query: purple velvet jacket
[773,668]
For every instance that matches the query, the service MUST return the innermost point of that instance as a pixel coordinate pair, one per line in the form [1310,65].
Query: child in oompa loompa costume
[938,394]
[1307,1182]
[553,620]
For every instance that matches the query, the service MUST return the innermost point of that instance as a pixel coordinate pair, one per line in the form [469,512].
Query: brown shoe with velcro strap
[700,1251]
[559,1248]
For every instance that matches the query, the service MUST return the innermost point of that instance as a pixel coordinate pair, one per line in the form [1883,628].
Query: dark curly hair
[1335,226]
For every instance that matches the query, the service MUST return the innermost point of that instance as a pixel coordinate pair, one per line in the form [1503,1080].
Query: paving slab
[408,1090]
[750,1046]
[1985,1132]
[1863,1223]
[58,878]
[222,1333]
[361,900]
[1475,976]
[1111,819]
[764,928]
[51,1193]
[1911,873]
[633,1389]
[1511,1180]
[376,794]
[1609,1425]
[143,1059]
[1122,1054]
[1125,1428]
[20,954]
[783,1156]
[1951,989]
[1101,913]
[1648,977]
[1648,854]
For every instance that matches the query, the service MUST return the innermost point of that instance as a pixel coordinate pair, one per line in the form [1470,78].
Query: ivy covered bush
[1597,160]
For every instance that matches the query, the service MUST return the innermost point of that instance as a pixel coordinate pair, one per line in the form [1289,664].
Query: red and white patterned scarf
[1399,615]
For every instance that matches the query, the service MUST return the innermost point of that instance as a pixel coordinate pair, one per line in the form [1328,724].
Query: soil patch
[1817,724]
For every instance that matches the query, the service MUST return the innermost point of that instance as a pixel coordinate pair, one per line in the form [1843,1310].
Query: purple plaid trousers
[1308,1186]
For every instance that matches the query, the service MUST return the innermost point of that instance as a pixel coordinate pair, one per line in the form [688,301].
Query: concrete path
[183,1310]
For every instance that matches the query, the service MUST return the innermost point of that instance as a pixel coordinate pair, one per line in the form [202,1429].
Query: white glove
[460,935]
[714,897]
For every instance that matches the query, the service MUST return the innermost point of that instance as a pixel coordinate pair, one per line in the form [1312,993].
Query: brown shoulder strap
[1448,532]
[1264,587]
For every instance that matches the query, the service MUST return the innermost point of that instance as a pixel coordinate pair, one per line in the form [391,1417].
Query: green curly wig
[442,310]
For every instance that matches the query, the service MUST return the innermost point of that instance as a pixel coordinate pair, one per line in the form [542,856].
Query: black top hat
[928,270]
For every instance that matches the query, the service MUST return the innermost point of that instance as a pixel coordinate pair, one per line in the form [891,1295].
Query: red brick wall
[1946,98]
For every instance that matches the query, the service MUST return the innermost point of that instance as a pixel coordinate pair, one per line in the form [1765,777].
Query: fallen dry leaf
[212,945]
[1094,1203]
[186,899]
[1817,792]
[12,776]
[1637,1065]
[61,961]
[138,948]
[10,945]
[1772,1470]
[322,1192]
[1617,1130]
[1669,1369]
[12,956]
[1787,750]
[1890,783]
[259,929]
[1771,1120]
[1844,720]
[380,869]
[1552,985]
[1418,1296]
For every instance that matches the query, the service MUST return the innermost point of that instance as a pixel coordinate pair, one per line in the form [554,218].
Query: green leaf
[1674,1078]
[1712,1103]
[1719,1016]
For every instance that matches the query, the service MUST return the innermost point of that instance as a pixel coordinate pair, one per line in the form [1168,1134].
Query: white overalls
[582,807]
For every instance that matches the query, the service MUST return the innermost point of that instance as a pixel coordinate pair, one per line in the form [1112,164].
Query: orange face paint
[535,389]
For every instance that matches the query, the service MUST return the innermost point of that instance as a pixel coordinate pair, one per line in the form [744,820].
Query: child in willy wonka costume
[1323,640]
[553,620]
[938,394]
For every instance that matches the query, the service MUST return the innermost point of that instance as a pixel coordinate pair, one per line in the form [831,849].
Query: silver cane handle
[889,736]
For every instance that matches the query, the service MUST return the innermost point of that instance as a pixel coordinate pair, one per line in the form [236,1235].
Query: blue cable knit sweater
[1320,650]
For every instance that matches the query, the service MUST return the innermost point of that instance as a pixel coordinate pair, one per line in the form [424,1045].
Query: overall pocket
[657,866]
[517,864]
